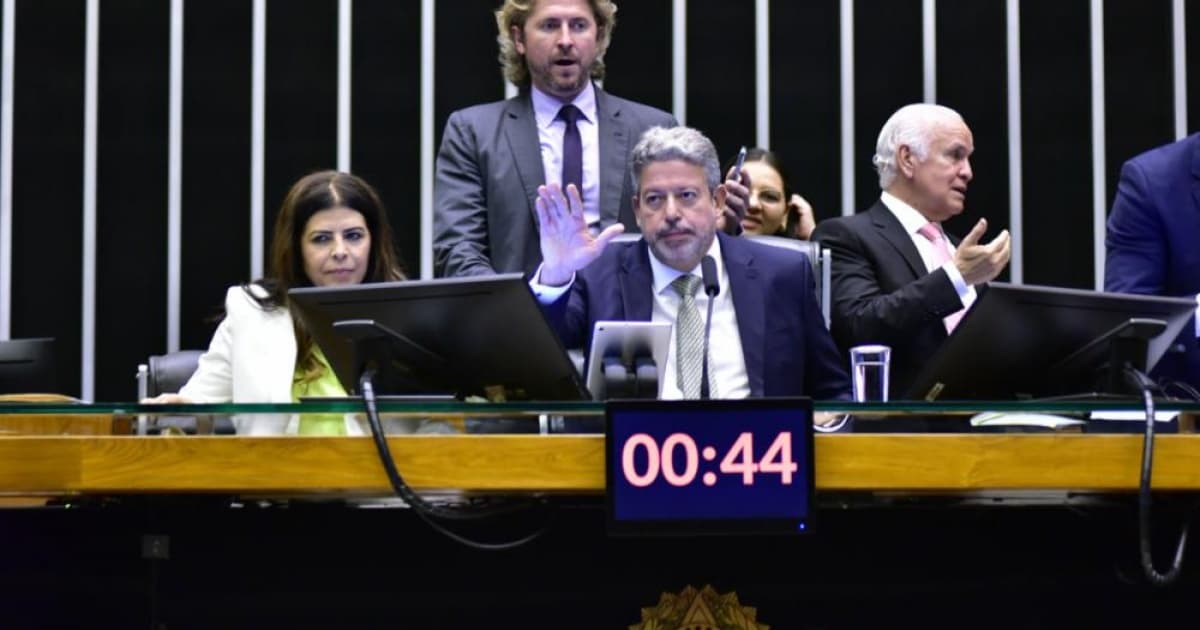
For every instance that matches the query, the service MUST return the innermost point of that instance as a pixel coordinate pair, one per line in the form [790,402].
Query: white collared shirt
[550,137]
[725,341]
[913,221]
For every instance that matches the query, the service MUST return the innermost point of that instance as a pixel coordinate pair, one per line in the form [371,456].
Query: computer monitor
[27,366]
[1023,341]
[481,336]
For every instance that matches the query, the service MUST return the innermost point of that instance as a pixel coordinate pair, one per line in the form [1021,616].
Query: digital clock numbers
[709,466]
[738,460]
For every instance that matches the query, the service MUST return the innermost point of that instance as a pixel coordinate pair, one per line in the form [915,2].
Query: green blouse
[324,385]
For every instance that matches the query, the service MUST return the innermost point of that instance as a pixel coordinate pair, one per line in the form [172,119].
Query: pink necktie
[941,254]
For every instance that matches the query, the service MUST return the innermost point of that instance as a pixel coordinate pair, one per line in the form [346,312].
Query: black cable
[429,511]
[1191,392]
[1145,546]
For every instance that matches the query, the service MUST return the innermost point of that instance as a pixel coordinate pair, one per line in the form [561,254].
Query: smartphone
[737,165]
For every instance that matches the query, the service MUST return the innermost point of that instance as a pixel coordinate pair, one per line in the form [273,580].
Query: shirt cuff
[833,427]
[546,294]
[960,286]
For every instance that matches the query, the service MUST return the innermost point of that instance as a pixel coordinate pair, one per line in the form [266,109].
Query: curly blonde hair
[516,12]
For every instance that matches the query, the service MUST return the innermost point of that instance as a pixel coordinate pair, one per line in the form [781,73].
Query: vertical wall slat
[91,86]
[849,205]
[679,60]
[258,107]
[1016,265]
[175,175]
[345,46]
[762,72]
[427,148]
[1179,66]
[929,50]
[1099,197]
[7,65]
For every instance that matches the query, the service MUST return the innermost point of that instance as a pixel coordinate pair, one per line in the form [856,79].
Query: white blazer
[252,359]
[252,356]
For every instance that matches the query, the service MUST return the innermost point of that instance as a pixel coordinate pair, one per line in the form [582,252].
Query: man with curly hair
[560,129]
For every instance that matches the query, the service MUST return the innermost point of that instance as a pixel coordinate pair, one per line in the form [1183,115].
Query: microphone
[712,286]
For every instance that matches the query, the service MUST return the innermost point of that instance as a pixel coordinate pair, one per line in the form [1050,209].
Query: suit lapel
[893,232]
[749,303]
[614,147]
[637,282]
[522,135]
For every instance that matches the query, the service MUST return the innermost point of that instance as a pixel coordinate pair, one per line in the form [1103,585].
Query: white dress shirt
[550,137]
[728,363]
[725,342]
[913,221]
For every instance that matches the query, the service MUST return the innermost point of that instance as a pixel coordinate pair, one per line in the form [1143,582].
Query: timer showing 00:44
[739,459]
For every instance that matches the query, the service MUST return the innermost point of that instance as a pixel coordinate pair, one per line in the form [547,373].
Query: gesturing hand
[805,223]
[982,263]
[567,244]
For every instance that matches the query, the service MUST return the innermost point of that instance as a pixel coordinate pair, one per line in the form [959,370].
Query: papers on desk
[1134,416]
[1023,419]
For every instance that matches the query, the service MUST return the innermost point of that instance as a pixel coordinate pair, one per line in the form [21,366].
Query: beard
[550,79]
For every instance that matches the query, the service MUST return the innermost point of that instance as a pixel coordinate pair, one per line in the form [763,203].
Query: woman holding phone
[770,211]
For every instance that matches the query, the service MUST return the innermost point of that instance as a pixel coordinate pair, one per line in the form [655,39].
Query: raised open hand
[567,244]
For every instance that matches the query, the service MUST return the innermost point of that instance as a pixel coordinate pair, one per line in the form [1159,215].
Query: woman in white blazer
[332,229]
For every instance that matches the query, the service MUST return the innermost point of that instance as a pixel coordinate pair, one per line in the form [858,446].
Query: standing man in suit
[897,279]
[768,337]
[560,129]
[1152,239]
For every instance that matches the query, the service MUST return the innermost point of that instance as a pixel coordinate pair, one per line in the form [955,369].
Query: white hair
[911,126]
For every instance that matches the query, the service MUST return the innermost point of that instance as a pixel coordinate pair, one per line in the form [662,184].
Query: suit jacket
[788,351]
[252,359]
[489,167]
[1151,243]
[882,293]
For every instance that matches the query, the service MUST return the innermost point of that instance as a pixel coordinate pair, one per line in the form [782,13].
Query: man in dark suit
[768,337]
[1152,239]
[897,279]
[560,129]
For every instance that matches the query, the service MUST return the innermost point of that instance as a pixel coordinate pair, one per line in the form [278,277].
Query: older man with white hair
[898,278]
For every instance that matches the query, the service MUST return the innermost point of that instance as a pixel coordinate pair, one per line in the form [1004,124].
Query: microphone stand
[708,271]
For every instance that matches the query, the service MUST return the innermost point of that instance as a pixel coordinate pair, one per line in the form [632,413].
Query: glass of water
[869,372]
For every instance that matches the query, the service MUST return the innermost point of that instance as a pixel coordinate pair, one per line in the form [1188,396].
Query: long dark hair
[323,190]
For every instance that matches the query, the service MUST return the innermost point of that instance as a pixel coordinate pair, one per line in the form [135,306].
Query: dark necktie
[572,164]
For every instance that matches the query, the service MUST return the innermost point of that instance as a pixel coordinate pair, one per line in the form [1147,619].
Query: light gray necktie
[689,339]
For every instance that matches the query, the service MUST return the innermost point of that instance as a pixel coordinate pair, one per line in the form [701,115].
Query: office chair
[168,373]
[818,258]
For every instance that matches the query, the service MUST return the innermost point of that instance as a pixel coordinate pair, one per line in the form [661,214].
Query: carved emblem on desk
[703,609]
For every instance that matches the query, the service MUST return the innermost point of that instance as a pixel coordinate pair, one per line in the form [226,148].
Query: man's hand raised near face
[567,244]
[982,263]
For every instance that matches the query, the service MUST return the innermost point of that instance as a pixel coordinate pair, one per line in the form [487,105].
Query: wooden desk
[42,465]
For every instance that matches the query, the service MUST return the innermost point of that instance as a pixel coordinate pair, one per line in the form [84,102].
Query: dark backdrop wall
[47,258]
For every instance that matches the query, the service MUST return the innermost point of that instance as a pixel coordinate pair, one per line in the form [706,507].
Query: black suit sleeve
[863,311]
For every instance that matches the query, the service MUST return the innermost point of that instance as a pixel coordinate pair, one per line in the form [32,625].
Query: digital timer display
[710,466]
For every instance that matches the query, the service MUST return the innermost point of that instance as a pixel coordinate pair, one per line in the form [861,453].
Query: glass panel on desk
[64,417]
